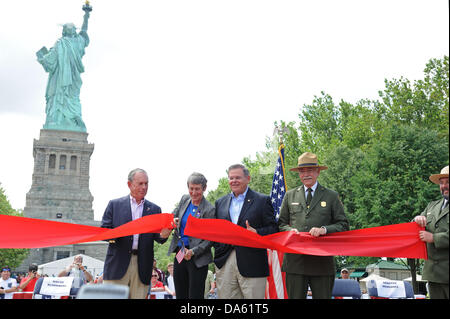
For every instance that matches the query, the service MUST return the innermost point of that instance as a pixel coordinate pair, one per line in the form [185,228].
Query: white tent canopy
[373,277]
[53,268]
[418,278]
[363,282]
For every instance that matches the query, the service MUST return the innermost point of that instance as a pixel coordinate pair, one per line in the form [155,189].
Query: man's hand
[165,232]
[188,254]
[250,228]
[316,231]
[421,220]
[426,236]
[69,267]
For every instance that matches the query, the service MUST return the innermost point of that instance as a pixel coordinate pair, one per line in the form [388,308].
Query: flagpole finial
[280,131]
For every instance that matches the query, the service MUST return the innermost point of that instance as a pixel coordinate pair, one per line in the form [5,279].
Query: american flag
[276,288]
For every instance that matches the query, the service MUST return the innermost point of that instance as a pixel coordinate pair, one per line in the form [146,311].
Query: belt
[134,251]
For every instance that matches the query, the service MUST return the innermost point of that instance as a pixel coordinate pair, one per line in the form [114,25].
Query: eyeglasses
[154,275]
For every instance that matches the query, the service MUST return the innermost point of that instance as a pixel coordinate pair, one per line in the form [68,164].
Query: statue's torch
[86,7]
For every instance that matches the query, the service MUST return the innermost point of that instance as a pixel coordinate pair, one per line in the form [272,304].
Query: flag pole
[275,285]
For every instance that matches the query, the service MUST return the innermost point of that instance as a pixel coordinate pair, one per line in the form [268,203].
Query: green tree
[10,257]
[324,125]
[392,183]
[379,152]
[162,260]
[221,190]
[423,103]
[319,125]
[342,162]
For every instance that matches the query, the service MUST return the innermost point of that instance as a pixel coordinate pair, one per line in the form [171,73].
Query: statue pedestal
[60,184]
[60,191]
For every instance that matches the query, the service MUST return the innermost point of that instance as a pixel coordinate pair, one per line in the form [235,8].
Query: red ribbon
[399,240]
[23,232]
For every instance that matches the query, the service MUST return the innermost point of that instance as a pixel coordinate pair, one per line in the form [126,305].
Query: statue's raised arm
[64,66]
[87,9]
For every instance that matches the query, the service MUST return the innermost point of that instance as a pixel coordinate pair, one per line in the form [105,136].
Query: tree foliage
[10,257]
[379,153]
[424,103]
[392,183]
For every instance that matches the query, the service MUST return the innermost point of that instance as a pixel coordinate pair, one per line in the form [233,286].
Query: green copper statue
[63,64]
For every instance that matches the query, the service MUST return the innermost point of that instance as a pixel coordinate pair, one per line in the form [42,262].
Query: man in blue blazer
[241,271]
[129,259]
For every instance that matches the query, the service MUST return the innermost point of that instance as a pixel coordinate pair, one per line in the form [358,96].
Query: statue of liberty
[64,66]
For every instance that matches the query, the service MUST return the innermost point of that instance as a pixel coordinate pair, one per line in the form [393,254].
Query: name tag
[295,204]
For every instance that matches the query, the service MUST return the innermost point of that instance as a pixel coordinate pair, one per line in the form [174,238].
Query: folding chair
[103,291]
[37,292]
[346,289]
[375,293]
[409,290]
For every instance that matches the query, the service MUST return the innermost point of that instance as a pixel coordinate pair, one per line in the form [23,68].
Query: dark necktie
[309,197]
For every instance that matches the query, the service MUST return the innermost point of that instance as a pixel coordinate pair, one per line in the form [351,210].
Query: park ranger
[435,220]
[315,209]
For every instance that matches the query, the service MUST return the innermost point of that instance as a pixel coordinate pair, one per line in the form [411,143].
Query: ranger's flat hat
[307,160]
[436,177]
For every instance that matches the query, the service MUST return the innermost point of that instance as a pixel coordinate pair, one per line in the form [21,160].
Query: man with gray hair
[129,260]
[241,272]
[78,271]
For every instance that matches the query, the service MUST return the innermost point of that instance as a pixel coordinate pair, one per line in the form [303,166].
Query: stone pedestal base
[60,191]
[60,184]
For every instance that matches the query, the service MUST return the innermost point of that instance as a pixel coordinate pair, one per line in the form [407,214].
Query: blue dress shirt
[236,206]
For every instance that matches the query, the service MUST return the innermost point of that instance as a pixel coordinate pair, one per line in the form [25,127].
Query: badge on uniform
[323,204]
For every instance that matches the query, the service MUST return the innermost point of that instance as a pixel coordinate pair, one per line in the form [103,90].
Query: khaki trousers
[232,285]
[131,279]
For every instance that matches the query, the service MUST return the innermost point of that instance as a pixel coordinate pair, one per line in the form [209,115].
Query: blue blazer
[258,210]
[117,213]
